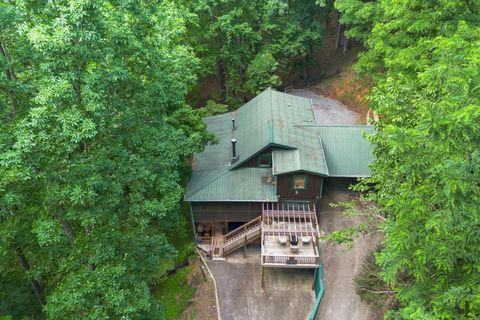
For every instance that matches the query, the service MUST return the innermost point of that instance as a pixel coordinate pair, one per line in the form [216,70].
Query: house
[263,179]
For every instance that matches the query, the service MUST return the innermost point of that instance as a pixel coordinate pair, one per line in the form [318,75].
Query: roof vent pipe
[234,150]
[233,124]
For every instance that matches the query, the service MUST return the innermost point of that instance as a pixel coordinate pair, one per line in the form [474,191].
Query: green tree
[261,73]
[92,150]
[359,15]
[427,169]
[232,37]
[427,180]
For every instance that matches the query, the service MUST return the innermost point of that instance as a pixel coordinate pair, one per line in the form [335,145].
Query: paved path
[288,293]
[328,111]
[340,302]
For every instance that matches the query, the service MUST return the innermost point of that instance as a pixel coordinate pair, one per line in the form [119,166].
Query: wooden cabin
[263,178]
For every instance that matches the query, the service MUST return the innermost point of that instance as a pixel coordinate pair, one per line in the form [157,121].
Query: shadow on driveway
[340,302]
[288,293]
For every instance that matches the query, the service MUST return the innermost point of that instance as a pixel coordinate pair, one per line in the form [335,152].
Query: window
[299,182]
[295,204]
[265,160]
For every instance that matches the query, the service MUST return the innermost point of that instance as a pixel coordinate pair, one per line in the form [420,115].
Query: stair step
[236,241]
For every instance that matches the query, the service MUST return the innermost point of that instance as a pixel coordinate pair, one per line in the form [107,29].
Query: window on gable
[299,182]
[265,160]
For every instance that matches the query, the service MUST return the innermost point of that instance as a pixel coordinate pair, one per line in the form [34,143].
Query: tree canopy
[95,133]
[249,45]
[425,56]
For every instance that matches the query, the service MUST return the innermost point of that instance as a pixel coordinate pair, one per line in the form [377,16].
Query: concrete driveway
[288,293]
[340,302]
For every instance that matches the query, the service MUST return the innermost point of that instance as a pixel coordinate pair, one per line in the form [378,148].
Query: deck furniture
[306,239]
[282,239]
[294,248]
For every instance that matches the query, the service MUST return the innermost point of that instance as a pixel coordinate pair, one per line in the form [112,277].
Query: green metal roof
[213,181]
[244,184]
[267,120]
[286,122]
[308,155]
[215,159]
[346,149]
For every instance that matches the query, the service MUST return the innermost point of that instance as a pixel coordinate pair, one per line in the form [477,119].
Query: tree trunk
[9,72]
[306,73]
[222,80]
[35,285]
[345,40]
[10,76]
[67,228]
[339,33]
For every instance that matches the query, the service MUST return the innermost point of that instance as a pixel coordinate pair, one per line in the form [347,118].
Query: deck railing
[289,260]
[243,235]
[243,228]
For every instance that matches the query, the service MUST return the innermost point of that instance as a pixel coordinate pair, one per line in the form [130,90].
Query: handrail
[243,227]
[302,260]
[243,233]
[240,241]
[214,284]
[292,213]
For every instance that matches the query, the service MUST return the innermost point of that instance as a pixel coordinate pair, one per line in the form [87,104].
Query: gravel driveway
[340,302]
[328,111]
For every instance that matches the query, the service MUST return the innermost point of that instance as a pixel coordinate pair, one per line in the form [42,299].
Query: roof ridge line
[272,139]
[323,153]
[299,162]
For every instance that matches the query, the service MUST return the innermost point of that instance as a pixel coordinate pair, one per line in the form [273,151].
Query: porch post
[263,278]
[245,244]
[193,221]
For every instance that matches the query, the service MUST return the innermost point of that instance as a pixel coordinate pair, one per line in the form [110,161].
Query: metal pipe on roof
[234,150]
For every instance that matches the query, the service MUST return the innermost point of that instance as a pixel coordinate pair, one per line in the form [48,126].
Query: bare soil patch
[202,305]
[347,88]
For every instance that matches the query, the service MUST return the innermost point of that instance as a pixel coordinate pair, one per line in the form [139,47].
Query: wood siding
[286,192]
[226,211]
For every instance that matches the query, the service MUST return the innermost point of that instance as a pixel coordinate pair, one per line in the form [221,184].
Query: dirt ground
[347,89]
[340,302]
[202,305]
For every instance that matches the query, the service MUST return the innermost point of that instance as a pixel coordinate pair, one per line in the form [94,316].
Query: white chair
[282,240]
[306,239]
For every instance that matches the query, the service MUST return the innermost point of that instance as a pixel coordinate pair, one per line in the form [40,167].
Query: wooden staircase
[249,232]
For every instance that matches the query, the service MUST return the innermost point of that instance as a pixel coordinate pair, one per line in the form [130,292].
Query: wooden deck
[275,254]
[277,228]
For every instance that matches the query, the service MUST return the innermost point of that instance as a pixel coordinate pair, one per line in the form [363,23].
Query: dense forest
[97,128]
[424,56]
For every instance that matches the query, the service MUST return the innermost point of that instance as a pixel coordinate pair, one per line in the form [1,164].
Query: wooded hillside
[97,132]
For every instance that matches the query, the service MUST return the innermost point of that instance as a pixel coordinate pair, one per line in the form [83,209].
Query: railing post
[245,241]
